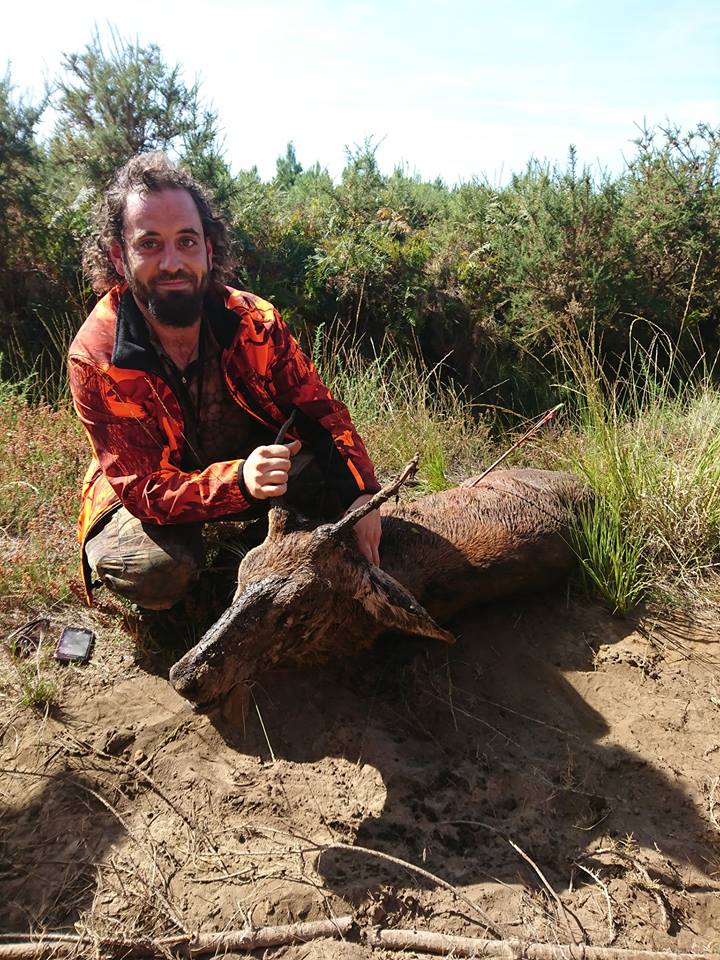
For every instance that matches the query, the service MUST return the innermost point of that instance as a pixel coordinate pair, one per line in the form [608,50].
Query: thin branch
[606,892]
[439,943]
[413,868]
[51,947]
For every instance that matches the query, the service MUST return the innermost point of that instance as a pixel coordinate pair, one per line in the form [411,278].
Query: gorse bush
[476,276]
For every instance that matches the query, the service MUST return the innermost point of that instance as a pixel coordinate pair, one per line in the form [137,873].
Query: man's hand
[265,471]
[367,531]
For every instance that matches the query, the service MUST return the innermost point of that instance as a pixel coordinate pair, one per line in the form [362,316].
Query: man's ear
[116,255]
[208,247]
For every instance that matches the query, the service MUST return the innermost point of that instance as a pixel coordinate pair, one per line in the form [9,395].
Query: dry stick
[443,944]
[54,947]
[714,802]
[262,724]
[603,887]
[487,922]
[256,939]
[562,908]
[650,886]
[201,943]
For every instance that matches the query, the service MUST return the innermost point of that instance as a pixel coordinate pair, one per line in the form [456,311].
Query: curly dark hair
[148,173]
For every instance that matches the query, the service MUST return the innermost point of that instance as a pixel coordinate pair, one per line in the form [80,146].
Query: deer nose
[240,637]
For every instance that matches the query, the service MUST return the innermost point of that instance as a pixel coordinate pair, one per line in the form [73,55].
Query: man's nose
[170,259]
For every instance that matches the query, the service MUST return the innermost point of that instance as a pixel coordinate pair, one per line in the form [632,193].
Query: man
[183,385]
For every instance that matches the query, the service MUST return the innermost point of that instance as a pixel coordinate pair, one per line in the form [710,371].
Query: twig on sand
[262,724]
[57,947]
[646,883]
[406,865]
[714,802]
[216,944]
[452,946]
[603,886]
[562,909]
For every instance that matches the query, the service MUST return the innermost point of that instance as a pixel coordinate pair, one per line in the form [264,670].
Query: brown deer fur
[306,595]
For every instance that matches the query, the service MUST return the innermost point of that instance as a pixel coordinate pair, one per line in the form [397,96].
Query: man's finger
[275,491]
[277,450]
[272,478]
[277,463]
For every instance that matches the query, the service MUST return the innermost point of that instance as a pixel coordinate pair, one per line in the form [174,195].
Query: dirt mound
[557,769]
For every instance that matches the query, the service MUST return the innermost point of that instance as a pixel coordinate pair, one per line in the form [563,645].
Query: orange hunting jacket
[135,423]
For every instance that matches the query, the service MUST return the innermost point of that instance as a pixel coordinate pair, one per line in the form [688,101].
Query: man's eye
[188,242]
[148,244]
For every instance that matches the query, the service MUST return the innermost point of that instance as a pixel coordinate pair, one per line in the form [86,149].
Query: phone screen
[74,644]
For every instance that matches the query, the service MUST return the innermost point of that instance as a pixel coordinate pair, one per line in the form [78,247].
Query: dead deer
[305,595]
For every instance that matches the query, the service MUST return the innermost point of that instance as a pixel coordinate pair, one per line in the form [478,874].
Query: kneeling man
[183,385]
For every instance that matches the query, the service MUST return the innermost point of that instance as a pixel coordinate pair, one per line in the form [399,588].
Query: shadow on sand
[48,852]
[485,740]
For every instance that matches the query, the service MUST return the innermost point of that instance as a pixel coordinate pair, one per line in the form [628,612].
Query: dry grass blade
[713,802]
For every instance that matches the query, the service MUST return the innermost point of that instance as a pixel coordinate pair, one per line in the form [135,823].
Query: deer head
[302,595]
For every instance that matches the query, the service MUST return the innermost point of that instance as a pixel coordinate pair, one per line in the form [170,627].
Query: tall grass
[401,408]
[43,453]
[42,371]
[648,443]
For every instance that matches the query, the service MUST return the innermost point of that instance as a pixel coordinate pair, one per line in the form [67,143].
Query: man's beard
[172,308]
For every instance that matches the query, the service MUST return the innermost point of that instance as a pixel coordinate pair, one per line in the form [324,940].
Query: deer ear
[396,608]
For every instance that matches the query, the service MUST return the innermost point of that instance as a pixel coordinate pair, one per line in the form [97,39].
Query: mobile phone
[75,645]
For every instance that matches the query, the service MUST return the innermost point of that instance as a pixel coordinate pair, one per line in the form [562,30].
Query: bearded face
[168,305]
[165,256]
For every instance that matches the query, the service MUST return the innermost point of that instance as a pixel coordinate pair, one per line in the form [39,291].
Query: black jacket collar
[132,349]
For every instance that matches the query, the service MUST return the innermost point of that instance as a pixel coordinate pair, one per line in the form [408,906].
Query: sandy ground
[558,769]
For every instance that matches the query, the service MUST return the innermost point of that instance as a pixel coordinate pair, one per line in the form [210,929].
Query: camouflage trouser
[154,564]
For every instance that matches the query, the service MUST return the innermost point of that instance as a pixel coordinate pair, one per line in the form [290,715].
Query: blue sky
[451,88]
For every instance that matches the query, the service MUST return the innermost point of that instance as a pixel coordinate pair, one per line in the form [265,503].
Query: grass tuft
[648,444]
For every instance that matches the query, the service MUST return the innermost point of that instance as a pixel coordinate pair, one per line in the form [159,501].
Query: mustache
[179,275]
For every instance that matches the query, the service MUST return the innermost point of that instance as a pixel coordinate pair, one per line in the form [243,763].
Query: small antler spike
[383,495]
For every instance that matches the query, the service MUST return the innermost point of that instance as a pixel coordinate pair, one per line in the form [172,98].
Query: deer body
[475,544]
[305,595]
